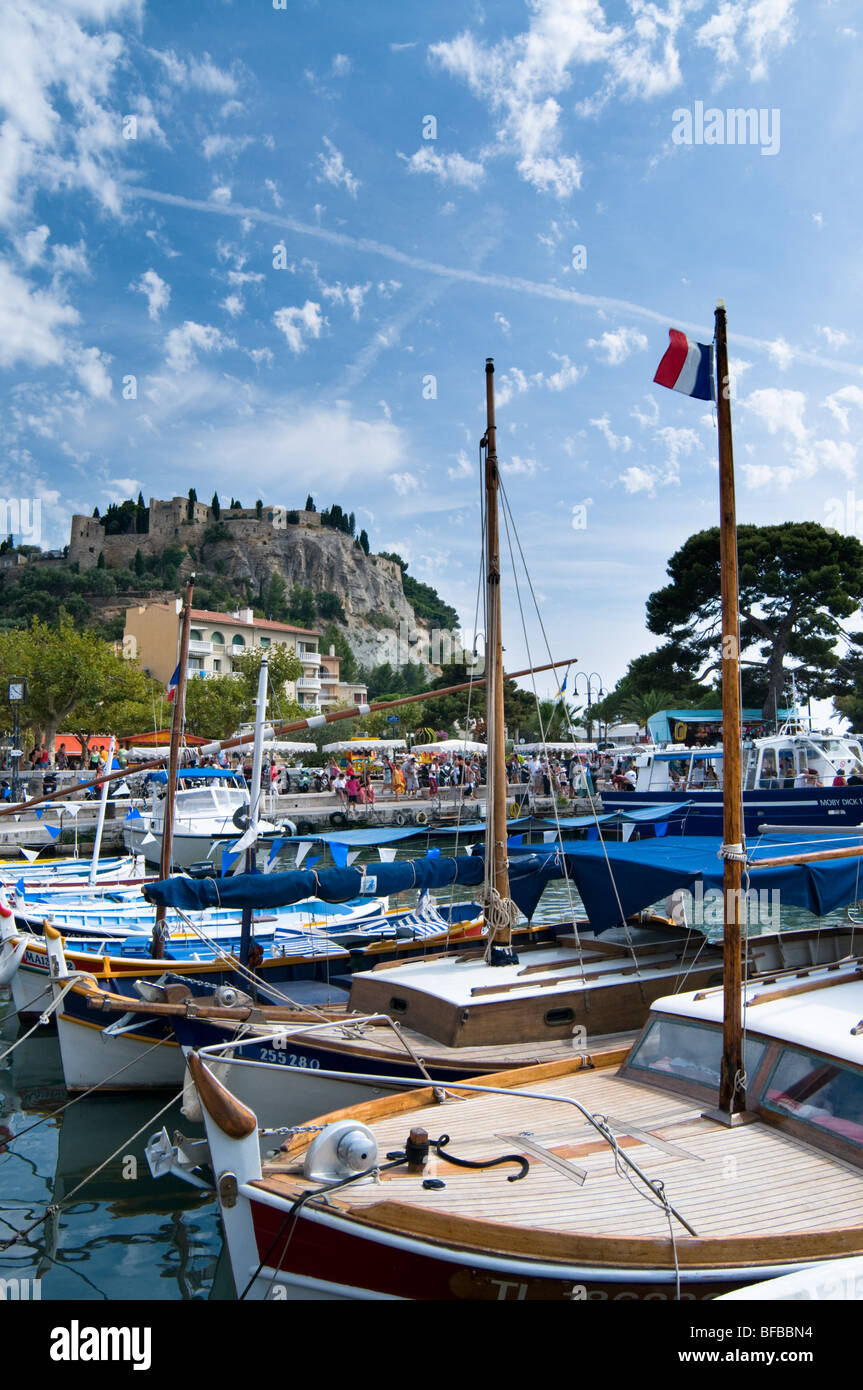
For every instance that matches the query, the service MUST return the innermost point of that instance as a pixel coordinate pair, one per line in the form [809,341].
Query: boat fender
[288,827]
[421,818]
[341,1150]
[338,819]
[241,817]
[304,827]
[5,909]
[399,818]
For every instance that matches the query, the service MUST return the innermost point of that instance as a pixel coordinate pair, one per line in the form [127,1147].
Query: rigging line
[590,798]
[57,1206]
[90,1089]
[626,931]
[237,966]
[506,521]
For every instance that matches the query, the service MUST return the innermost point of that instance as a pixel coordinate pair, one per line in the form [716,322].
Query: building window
[217,637]
[265,641]
[238,641]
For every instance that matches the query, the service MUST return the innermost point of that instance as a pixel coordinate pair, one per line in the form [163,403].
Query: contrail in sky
[515,283]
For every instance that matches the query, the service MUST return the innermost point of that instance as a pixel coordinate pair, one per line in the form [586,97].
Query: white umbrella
[450,745]
[357,745]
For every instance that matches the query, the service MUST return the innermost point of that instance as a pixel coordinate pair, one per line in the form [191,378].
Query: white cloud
[233,304]
[273,191]
[502,323]
[447,168]
[404,483]
[333,169]
[296,322]
[781,353]
[614,441]
[566,375]
[834,336]
[527,468]
[70,260]
[31,246]
[182,345]
[840,402]
[158,292]
[91,370]
[341,65]
[352,295]
[618,344]
[221,193]
[637,479]
[197,72]
[762,27]
[511,383]
[463,469]
[218,146]
[780,410]
[32,322]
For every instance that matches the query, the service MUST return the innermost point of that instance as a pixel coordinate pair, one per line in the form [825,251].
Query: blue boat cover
[201,774]
[647,871]
[527,881]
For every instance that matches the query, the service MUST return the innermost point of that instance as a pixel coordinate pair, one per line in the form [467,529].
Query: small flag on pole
[173,683]
[687,367]
[562,691]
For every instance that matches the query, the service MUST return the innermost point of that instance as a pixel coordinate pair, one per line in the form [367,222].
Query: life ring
[421,818]
[513,810]
[338,819]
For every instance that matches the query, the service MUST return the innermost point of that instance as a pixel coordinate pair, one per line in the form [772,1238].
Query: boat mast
[173,759]
[500,935]
[732,1095]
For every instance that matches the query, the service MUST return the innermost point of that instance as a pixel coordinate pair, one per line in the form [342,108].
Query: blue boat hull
[702,812]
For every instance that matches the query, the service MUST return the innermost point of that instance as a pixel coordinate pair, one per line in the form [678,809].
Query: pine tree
[310,504]
[100,563]
[190,506]
[364,542]
[259,509]
[216,506]
[139,563]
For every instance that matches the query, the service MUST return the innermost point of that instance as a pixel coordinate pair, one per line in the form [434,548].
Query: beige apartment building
[152,635]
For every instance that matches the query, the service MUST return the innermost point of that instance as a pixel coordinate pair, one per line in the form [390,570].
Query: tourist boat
[211,812]
[788,780]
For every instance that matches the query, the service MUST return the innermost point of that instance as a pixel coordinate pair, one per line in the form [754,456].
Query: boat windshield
[687,1052]
[824,1093]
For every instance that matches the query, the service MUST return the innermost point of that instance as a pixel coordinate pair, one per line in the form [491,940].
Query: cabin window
[822,1093]
[768,767]
[399,1006]
[687,1051]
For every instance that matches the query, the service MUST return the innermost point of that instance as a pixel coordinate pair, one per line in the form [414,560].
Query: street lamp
[16,693]
[594,676]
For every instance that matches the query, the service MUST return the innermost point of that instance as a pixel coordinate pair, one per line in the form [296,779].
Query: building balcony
[200,648]
[327,678]
[308,683]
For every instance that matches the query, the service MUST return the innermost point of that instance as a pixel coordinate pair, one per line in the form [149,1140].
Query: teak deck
[724,1182]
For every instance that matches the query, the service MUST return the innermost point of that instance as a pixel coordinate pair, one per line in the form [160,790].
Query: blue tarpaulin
[261,891]
[646,871]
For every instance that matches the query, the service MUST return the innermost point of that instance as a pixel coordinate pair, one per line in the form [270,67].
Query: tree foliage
[797,581]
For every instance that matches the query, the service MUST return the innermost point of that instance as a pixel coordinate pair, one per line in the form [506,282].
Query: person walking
[398,782]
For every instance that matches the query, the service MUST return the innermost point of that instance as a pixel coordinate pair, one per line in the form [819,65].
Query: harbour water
[117,1232]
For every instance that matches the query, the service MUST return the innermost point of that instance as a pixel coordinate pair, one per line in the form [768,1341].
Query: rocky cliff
[369,587]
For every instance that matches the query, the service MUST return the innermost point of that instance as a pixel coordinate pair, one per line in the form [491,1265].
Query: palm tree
[639,708]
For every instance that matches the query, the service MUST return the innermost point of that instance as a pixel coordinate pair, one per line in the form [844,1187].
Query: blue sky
[153,156]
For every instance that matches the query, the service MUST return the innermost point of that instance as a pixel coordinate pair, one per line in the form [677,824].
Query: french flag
[687,367]
[173,683]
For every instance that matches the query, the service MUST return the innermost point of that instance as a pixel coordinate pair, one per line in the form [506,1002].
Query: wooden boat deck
[748,1182]
[377,1041]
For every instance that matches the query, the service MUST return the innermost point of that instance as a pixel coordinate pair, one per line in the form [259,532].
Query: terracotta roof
[203,613]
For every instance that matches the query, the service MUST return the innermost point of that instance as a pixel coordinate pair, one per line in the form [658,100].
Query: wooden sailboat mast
[732,1097]
[173,758]
[496,774]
